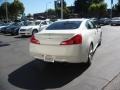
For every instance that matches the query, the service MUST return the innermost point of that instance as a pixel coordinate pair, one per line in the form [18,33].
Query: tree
[50,12]
[3,10]
[98,8]
[81,7]
[16,9]
[66,11]
[116,8]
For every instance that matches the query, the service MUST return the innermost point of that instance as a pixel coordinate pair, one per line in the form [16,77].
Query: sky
[37,6]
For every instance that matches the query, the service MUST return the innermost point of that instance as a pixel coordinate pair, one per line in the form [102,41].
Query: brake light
[34,40]
[75,40]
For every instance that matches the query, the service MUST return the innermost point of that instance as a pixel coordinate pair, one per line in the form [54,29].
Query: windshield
[44,23]
[64,25]
[37,23]
[29,23]
[8,24]
[16,24]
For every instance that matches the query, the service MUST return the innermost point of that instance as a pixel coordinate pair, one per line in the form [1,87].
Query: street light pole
[61,9]
[6,10]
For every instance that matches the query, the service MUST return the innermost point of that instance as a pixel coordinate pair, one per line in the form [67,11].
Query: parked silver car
[115,21]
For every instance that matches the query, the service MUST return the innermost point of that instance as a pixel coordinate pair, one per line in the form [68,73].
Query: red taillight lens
[34,40]
[75,40]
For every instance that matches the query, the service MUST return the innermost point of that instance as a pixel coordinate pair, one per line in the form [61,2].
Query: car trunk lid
[53,38]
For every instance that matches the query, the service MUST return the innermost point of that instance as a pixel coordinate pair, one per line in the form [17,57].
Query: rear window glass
[64,25]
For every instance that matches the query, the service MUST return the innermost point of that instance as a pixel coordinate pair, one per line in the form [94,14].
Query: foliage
[81,7]
[95,8]
[15,9]
[98,8]
[3,9]
[50,12]
[116,8]
[66,12]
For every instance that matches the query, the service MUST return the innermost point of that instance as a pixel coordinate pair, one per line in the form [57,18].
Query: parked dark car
[4,26]
[95,20]
[104,21]
[115,21]
[1,26]
[14,28]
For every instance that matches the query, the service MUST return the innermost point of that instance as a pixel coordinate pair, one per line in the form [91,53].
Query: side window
[88,25]
[94,25]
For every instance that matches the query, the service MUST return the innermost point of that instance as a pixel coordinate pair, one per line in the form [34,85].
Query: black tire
[34,31]
[90,54]
[12,34]
[100,41]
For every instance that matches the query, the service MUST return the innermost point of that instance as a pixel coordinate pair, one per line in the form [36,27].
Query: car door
[92,32]
[97,32]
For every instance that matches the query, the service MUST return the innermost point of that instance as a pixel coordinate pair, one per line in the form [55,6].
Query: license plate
[49,58]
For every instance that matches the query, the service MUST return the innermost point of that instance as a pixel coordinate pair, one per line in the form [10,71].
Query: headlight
[29,29]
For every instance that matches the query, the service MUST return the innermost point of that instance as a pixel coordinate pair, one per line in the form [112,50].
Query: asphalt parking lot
[20,71]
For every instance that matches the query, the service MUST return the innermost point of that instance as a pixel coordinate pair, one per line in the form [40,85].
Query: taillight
[77,39]
[34,40]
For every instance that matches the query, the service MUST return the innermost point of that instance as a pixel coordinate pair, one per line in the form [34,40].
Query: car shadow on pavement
[7,35]
[39,75]
[0,42]
[3,44]
[21,37]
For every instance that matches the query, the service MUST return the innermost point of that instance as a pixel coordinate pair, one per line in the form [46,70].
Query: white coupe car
[70,40]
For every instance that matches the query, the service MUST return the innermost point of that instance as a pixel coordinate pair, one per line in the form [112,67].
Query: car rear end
[58,45]
[57,48]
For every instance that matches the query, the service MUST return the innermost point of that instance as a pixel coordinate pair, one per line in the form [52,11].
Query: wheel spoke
[90,53]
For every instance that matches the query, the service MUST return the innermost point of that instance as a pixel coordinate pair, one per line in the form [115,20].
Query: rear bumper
[71,54]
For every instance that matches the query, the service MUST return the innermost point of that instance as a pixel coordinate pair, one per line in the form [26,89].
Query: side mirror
[98,26]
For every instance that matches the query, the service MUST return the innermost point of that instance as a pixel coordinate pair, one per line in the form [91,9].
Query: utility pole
[111,9]
[6,10]
[61,9]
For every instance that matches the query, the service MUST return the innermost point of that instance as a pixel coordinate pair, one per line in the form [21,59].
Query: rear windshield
[63,25]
